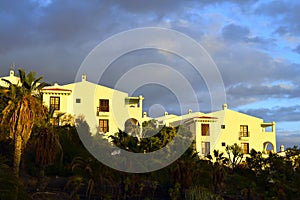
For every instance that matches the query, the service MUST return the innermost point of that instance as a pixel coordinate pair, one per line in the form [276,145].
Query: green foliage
[188,177]
[157,138]
[10,186]
[278,176]
[174,192]
[3,100]
[235,154]
[199,193]
[218,171]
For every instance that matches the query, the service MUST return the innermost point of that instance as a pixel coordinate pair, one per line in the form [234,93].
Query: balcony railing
[244,134]
[103,110]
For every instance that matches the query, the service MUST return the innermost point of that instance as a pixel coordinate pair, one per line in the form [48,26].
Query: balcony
[102,111]
[268,127]
[244,135]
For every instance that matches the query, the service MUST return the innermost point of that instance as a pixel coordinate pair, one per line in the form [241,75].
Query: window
[103,105]
[205,129]
[205,147]
[103,125]
[245,148]
[55,103]
[222,126]
[223,144]
[244,131]
[78,100]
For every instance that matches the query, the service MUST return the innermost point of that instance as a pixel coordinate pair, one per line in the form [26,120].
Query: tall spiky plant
[24,107]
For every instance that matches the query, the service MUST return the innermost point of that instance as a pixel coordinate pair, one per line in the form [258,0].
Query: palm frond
[22,75]
[34,83]
[7,81]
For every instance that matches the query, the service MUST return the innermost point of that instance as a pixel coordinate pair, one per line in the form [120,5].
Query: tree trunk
[17,155]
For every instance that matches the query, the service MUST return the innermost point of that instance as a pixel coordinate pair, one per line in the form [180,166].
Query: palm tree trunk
[17,155]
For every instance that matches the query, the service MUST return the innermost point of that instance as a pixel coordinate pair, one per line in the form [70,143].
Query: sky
[254,43]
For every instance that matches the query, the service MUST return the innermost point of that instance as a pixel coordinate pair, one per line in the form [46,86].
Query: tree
[23,109]
[92,174]
[47,145]
[218,171]
[256,162]
[235,154]
[10,186]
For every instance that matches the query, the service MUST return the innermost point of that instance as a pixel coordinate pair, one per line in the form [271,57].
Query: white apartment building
[106,110]
[218,129]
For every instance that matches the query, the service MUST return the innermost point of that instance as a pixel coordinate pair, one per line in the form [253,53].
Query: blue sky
[254,43]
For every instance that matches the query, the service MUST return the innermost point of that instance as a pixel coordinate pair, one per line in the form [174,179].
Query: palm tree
[47,143]
[23,109]
[92,174]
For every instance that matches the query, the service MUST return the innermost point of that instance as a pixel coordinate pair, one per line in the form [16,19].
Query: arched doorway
[268,148]
[132,127]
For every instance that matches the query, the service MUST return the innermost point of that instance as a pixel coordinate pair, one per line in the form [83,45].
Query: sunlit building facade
[104,109]
[107,110]
[218,129]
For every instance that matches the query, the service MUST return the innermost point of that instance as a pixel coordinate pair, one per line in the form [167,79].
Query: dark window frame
[205,130]
[54,102]
[104,125]
[245,147]
[103,105]
[244,131]
[205,147]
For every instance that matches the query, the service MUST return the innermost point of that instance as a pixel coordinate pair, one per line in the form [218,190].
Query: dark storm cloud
[233,32]
[297,49]
[167,6]
[281,114]
[285,15]
[154,6]
[54,39]
[262,91]
[16,27]
[240,64]
[237,33]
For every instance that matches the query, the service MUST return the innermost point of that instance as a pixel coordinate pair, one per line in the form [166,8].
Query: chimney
[11,72]
[144,114]
[190,111]
[224,106]
[166,113]
[281,148]
[83,77]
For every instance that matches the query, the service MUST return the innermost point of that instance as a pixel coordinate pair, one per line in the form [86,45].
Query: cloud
[288,139]
[53,39]
[263,91]
[250,42]
[297,49]
[284,15]
[233,32]
[279,114]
